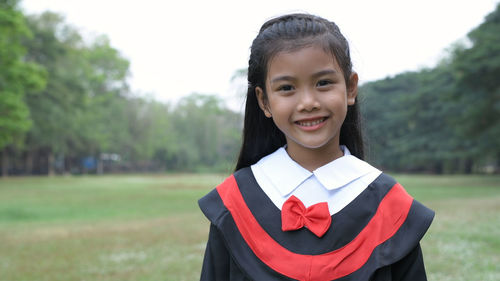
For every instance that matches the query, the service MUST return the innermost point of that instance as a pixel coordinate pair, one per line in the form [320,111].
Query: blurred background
[169,94]
[116,116]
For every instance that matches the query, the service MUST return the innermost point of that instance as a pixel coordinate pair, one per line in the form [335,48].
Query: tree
[16,77]
[56,109]
[477,71]
[442,119]
[207,134]
[86,86]
[407,121]
[105,74]
[87,111]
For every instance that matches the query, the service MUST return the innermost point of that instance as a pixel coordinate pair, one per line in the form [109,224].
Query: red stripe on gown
[390,215]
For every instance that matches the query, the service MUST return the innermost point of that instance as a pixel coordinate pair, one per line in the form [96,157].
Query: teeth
[311,123]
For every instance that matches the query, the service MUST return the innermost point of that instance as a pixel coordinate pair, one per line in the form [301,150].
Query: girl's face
[307,98]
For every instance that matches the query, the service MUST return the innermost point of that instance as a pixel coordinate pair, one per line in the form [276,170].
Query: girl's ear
[352,89]
[262,102]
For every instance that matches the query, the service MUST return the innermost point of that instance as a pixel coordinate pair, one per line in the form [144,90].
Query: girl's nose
[307,101]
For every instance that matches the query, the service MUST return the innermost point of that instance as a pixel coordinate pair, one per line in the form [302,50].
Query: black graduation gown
[375,237]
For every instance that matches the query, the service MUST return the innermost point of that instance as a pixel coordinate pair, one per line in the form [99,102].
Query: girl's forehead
[311,56]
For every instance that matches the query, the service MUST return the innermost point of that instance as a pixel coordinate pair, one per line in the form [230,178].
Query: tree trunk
[468,166]
[99,168]
[62,164]
[67,165]
[29,162]
[438,168]
[497,164]
[5,163]
[50,163]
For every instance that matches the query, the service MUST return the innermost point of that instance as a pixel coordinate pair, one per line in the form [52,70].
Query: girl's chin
[314,145]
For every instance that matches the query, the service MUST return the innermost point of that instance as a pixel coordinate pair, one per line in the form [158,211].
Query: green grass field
[149,227]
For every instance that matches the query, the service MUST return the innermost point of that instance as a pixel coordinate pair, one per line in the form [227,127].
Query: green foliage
[82,82]
[63,98]
[86,109]
[207,134]
[477,71]
[105,73]
[443,119]
[407,126]
[16,75]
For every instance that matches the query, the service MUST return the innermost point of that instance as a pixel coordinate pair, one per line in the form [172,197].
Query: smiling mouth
[311,123]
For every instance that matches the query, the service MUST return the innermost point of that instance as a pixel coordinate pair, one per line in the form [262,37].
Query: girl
[301,204]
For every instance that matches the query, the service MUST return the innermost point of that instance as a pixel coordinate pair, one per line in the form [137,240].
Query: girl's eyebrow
[324,72]
[282,78]
[291,78]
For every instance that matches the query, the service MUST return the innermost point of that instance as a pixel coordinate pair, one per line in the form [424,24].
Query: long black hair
[287,33]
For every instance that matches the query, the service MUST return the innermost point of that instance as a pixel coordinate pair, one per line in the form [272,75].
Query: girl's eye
[285,88]
[323,83]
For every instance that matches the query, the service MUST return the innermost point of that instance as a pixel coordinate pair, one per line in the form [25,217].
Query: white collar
[286,175]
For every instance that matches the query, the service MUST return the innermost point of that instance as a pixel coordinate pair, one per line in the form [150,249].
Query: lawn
[148,227]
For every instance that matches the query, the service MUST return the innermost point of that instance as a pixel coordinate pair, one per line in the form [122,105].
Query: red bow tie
[295,215]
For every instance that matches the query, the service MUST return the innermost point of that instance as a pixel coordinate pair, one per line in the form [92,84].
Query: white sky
[180,47]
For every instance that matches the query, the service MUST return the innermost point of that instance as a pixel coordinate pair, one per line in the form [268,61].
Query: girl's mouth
[311,124]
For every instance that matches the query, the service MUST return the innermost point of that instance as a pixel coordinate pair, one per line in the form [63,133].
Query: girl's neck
[313,158]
